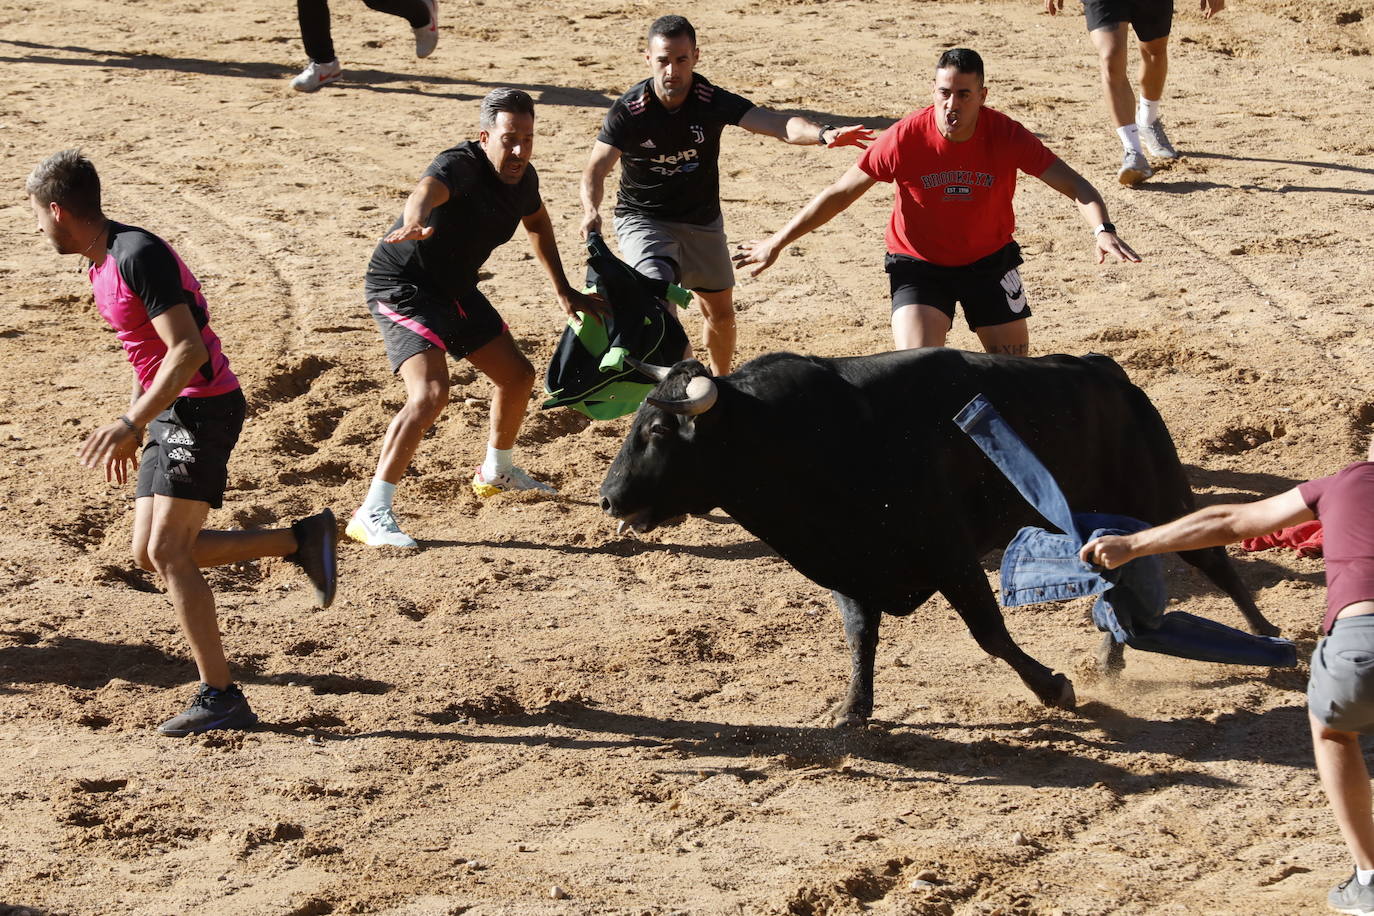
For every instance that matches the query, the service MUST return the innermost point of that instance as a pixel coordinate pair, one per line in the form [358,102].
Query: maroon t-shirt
[1344,503]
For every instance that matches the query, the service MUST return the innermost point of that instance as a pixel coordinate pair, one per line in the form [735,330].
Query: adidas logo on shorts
[179,436]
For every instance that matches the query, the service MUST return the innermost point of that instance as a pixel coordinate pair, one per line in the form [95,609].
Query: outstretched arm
[803,131]
[822,208]
[1094,209]
[1213,526]
[545,243]
[428,194]
[603,159]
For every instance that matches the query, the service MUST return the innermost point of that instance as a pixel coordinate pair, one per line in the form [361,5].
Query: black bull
[853,471]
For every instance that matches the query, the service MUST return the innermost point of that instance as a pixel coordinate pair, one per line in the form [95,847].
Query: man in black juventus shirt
[665,132]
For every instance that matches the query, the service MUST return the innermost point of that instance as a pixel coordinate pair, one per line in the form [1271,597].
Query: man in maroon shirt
[1340,692]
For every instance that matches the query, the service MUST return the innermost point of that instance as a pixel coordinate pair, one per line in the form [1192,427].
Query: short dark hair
[963,60]
[68,179]
[516,101]
[672,27]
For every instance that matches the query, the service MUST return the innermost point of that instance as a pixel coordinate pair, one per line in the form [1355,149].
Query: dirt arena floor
[531,702]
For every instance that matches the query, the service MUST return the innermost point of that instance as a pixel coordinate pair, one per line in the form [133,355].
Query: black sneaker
[316,554]
[1350,896]
[211,709]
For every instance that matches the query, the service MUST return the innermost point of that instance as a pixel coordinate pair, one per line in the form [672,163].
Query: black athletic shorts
[187,452]
[989,289]
[1151,19]
[413,320]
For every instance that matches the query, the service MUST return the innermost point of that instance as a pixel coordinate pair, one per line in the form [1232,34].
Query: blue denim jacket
[1042,565]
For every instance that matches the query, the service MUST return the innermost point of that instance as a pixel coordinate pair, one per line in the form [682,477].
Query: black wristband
[1105,227]
[821,135]
[130,423]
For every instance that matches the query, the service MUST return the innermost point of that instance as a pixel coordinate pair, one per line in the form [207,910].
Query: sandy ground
[532,702]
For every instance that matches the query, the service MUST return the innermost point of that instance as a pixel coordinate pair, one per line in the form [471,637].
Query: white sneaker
[1134,168]
[316,75]
[1156,141]
[378,528]
[512,479]
[427,36]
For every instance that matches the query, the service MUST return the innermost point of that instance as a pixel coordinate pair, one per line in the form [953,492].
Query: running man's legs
[212,548]
[426,379]
[1011,339]
[1344,776]
[919,326]
[172,527]
[318,39]
[414,12]
[513,378]
[315,32]
[718,327]
[1110,41]
[1154,68]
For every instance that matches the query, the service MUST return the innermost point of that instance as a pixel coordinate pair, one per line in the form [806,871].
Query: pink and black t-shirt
[1344,503]
[954,200]
[140,278]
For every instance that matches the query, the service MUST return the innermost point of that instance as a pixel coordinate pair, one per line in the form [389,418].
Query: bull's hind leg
[861,632]
[970,595]
[1216,565]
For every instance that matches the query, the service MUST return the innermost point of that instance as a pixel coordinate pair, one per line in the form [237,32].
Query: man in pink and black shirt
[1340,691]
[189,401]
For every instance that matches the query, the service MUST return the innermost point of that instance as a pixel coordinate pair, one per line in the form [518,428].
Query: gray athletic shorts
[699,253]
[1340,691]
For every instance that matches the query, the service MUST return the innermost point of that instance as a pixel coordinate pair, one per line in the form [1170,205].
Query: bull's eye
[658,429]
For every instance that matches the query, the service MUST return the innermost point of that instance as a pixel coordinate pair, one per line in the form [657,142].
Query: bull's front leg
[967,590]
[861,632]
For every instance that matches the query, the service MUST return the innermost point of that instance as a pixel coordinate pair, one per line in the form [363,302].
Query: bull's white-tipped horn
[701,397]
[657,373]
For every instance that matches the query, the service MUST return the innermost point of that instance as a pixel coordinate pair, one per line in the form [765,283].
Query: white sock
[1364,875]
[1147,111]
[379,495]
[1130,137]
[497,463]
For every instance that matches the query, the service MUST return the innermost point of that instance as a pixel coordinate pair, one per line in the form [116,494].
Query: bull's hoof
[846,716]
[1059,693]
[1265,628]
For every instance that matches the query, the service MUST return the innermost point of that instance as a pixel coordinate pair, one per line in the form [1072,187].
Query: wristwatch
[1105,227]
[821,135]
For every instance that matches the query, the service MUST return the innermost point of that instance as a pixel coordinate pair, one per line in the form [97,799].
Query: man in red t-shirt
[950,236]
[1340,691]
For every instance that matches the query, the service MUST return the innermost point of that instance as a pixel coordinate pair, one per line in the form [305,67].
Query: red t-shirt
[953,202]
[1344,503]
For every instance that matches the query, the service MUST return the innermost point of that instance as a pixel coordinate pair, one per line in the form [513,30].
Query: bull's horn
[701,397]
[657,373]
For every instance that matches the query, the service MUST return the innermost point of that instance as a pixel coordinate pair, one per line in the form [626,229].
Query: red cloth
[953,203]
[1306,539]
